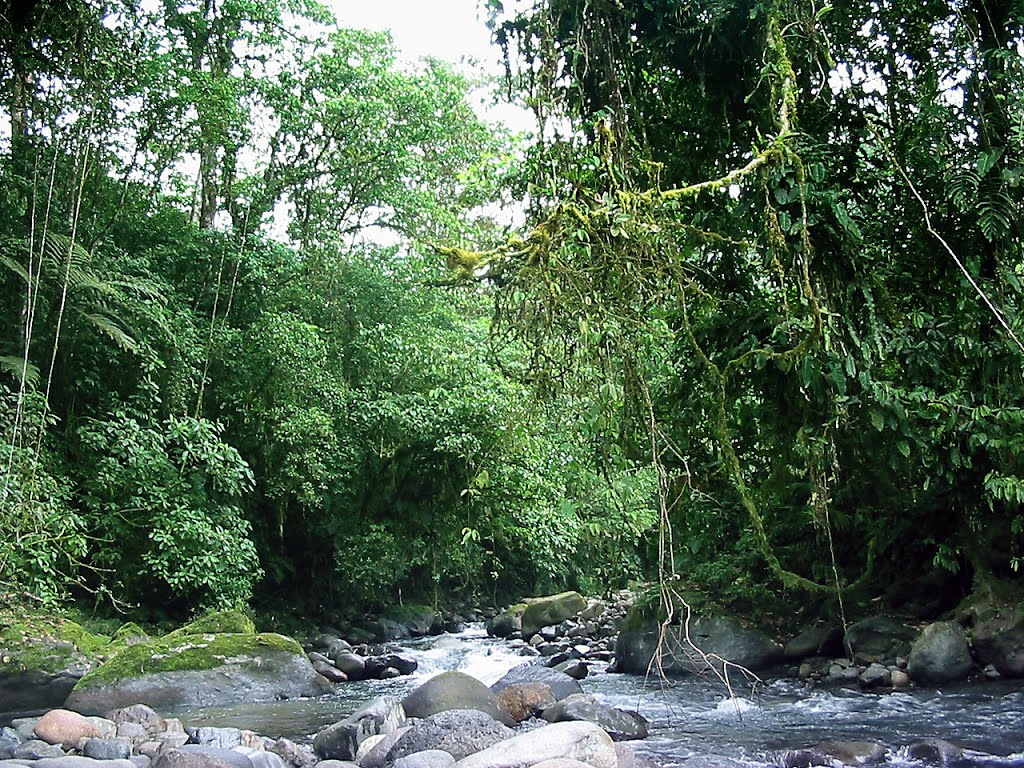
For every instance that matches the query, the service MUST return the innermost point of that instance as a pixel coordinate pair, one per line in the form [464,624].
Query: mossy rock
[416,620]
[218,622]
[543,611]
[203,669]
[41,660]
[128,632]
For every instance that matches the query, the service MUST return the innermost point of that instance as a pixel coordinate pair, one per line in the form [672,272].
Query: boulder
[940,655]
[585,742]
[60,726]
[454,690]
[296,755]
[231,757]
[999,641]
[617,723]
[330,672]
[180,758]
[574,668]
[222,738]
[880,637]
[716,638]
[507,622]
[459,732]
[544,611]
[142,715]
[181,670]
[352,665]
[428,758]
[525,700]
[107,749]
[935,752]
[78,761]
[414,620]
[560,683]
[824,640]
[36,749]
[341,741]
[875,676]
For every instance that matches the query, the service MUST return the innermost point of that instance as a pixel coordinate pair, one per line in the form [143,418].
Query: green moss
[218,622]
[126,631]
[48,644]
[176,652]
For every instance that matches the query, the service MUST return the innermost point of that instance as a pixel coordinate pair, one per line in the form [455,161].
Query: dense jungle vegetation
[761,331]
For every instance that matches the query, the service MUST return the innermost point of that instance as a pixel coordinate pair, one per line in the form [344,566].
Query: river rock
[719,637]
[459,732]
[428,758]
[508,622]
[852,753]
[940,655]
[935,752]
[543,611]
[525,700]
[9,741]
[61,726]
[825,640]
[574,668]
[36,749]
[195,758]
[875,676]
[414,620]
[142,715]
[222,738]
[999,641]
[78,761]
[297,755]
[376,755]
[617,723]
[330,672]
[349,663]
[585,742]
[199,670]
[560,683]
[341,741]
[880,637]
[107,749]
[454,690]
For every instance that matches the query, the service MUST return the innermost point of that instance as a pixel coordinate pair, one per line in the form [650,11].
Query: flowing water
[694,719]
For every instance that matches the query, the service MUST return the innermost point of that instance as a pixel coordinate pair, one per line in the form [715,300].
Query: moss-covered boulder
[199,669]
[42,660]
[507,622]
[543,611]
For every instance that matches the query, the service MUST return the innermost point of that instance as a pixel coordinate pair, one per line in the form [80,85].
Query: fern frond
[17,368]
[109,327]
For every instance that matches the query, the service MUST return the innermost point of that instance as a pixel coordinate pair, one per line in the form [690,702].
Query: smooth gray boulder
[459,732]
[617,723]
[712,642]
[824,640]
[508,622]
[585,742]
[560,683]
[428,758]
[553,609]
[940,655]
[454,690]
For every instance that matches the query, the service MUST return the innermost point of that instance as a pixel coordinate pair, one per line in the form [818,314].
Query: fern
[16,367]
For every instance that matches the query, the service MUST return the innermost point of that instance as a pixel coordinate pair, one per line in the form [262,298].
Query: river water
[694,719]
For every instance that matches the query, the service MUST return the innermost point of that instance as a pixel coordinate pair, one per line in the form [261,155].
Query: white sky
[453,30]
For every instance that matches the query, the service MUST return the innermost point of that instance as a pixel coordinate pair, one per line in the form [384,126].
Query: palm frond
[16,367]
[109,327]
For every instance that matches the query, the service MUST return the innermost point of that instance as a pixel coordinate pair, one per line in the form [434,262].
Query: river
[694,719]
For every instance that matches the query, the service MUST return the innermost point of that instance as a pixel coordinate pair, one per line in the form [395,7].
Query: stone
[428,758]
[544,611]
[330,672]
[574,668]
[454,690]
[825,640]
[715,639]
[875,676]
[459,732]
[560,683]
[561,762]
[261,758]
[880,637]
[336,764]
[508,622]
[940,655]
[178,758]
[297,755]
[585,742]
[525,700]
[107,728]
[142,715]
[900,679]
[222,738]
[619,724]
[107,749]
[186,669]
[999,641]
[35,749]
[79,761]
[851,753]
[375,757]
[341,741]
[232,757]
[935,752]
[352,665]
[630,759]
[61,726]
